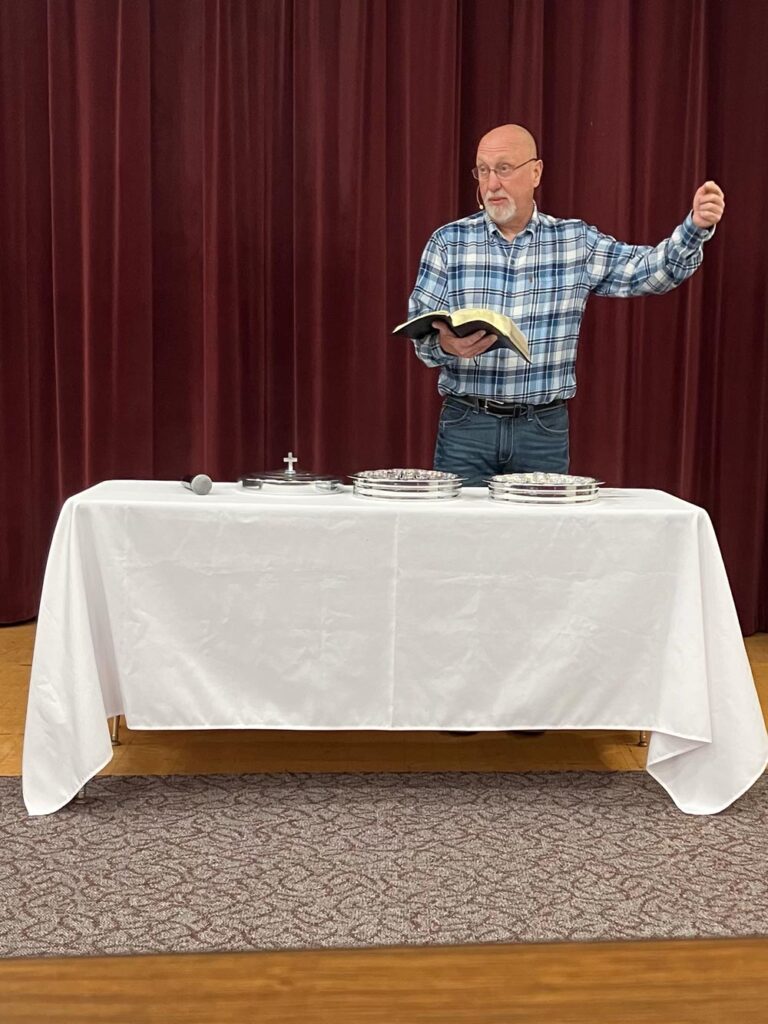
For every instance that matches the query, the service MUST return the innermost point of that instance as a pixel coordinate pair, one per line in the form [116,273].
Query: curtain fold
[212,212]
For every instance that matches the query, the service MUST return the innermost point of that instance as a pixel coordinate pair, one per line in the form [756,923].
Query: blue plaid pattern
[542,280]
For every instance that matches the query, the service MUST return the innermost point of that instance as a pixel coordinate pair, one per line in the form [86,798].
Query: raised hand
[708,205]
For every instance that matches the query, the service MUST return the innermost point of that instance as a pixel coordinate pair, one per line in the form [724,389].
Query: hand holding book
[474,326]
[464,348]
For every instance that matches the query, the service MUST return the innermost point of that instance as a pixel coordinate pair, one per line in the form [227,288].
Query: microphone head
[201,483]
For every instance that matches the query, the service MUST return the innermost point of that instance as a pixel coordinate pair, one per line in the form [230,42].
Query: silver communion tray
[290,482]
[544,488]
[406,484]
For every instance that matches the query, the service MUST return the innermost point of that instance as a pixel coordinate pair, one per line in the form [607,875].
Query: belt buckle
[505,408]
[493,406]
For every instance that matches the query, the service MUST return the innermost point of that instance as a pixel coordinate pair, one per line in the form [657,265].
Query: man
[501,414]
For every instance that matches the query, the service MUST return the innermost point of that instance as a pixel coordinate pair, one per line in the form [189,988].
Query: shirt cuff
[692,237]
[430,347]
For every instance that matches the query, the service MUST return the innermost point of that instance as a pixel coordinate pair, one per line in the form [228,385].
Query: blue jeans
[477,444]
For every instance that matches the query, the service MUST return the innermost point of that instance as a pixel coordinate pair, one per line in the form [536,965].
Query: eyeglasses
[502,172]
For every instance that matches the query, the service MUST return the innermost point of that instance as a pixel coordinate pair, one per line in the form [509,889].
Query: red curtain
[211,214]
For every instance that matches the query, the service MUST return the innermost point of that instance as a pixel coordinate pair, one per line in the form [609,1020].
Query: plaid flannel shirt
[542,280]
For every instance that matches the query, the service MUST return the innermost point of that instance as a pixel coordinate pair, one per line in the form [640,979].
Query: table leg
[80,794]
[643,739]
[115,731]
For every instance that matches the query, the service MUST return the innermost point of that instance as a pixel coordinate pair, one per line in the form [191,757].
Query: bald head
[510,136]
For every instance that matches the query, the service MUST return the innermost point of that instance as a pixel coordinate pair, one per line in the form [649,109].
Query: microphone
[201,483]
[480,204]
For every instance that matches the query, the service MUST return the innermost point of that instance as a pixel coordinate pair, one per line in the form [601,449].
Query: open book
[466,321]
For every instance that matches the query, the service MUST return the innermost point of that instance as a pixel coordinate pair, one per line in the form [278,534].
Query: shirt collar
[529,228]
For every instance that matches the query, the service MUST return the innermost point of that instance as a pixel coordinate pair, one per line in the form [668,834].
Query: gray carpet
[223,862]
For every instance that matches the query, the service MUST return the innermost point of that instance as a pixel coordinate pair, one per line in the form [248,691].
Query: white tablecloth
[247,610]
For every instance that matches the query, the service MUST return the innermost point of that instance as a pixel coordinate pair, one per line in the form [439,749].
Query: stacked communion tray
[543,488]
[406,484]
[283,482]
[289,481]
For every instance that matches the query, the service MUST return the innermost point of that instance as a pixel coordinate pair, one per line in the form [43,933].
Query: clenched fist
[708,205]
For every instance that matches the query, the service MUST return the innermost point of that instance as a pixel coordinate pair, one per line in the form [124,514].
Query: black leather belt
[503,408]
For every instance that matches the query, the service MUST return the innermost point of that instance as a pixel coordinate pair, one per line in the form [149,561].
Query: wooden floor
[569,983]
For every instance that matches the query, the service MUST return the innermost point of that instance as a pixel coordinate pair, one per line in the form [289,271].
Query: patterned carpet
[225,862]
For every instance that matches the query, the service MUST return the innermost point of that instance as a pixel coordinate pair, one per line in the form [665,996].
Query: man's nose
[491,175]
